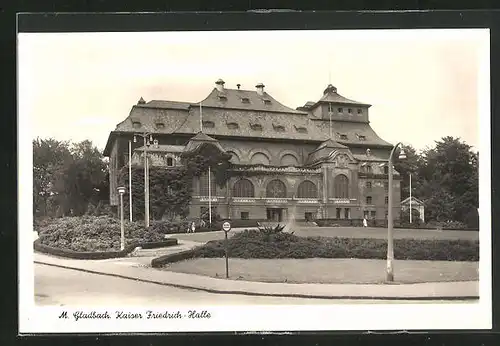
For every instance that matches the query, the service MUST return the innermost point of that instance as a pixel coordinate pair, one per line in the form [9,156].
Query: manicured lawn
[347,232]
[318,270]
[381,233]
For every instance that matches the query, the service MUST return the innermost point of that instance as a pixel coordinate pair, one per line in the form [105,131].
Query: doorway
[275,214]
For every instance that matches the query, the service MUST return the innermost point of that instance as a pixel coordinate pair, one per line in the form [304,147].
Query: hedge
[452,226]
[94,255]
[258,244]
[88,255]
[171,258]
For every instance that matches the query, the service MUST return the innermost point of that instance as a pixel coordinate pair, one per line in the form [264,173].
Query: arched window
[276,189]
[341,186]
[289,160]
[307,189]
[234,158]
[243,188]
[204,185]
[386,169]
[259,159]
[170,161]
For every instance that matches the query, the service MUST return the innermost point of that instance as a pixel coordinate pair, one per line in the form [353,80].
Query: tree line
[445,177]
[73,179]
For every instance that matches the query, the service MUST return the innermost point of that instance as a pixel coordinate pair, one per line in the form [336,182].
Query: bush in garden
[92,233]
[258,244]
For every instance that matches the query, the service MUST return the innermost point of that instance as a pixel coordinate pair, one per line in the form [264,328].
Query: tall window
[386,169]
[386,199]
[276,189]
[368,185]
[243,188]
[347,213]
[368,199]
[204,185]
[368,169]
[170,161]
[341,186]
[307,189]
[339,211]
[386,186]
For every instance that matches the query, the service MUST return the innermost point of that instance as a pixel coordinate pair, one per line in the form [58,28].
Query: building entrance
[275,214]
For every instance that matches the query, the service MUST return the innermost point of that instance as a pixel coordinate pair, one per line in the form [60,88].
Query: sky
[422,84]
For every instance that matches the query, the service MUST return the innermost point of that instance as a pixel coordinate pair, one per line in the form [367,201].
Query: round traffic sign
[226,226]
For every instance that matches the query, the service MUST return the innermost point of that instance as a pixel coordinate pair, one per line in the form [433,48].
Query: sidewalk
[137,267]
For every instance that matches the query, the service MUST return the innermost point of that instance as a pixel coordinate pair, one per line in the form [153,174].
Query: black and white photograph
[293,180]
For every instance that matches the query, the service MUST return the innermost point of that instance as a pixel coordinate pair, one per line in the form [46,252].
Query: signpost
[226,227]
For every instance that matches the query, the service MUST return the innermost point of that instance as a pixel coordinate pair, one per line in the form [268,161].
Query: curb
[290,295]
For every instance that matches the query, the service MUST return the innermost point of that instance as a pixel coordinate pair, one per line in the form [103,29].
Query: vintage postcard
[254,181]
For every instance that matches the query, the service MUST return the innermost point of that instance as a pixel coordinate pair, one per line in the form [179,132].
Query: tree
[70,175]
[49,156]
[450,173]
[412,164]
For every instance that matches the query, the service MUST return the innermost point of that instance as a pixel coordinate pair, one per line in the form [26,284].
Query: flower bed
[265,244]
[94,234]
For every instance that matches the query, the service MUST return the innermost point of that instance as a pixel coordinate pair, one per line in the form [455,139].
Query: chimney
[238,86]
[260,89]
[219,85]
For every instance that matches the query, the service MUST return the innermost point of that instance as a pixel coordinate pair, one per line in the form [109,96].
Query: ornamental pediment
[341,158]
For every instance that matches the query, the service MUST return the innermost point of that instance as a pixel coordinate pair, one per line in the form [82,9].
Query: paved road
[67,287]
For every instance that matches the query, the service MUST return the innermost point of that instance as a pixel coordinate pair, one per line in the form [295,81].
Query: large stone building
[320,160]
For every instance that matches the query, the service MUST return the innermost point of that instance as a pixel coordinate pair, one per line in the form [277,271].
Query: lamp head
[402,154]
[135,139]
[121,190]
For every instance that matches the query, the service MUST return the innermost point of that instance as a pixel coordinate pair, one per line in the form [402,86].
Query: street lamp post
[148,138]
[121,190]
[390,220]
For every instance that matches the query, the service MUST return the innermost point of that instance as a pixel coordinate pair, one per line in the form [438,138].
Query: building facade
[320,160]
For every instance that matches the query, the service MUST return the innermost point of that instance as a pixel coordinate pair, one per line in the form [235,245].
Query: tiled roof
[330,95]
[329,143]
[200,139]
[243,113]
[165,104]
[249,124]
[246,100]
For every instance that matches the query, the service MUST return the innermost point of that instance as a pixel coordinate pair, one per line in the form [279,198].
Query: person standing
[365,223]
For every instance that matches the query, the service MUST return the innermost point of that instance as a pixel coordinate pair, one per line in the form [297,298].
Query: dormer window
[245,100]
[279,128]
[300,129]
[349,110]
[256,127]
[233,126]
[343,136]
[362,137]
[360,111]
[340,110]
[208,124]
[160,125]
[222,98]
[267,102]
[136,124]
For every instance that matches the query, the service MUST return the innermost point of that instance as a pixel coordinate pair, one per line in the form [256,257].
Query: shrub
[92,233]
[258,244]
